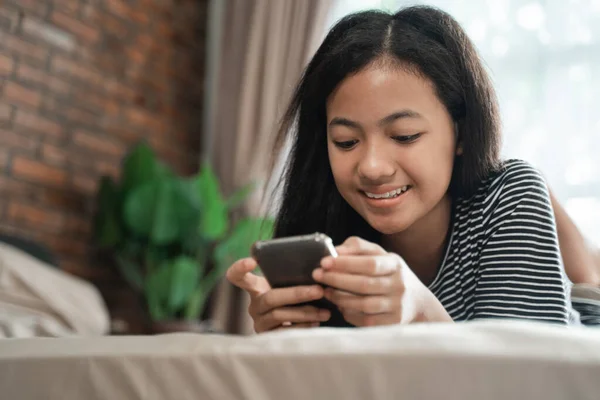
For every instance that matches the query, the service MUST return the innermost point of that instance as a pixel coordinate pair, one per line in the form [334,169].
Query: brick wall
[80,81]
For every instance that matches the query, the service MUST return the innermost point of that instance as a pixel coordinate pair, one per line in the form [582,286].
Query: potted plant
[171,237]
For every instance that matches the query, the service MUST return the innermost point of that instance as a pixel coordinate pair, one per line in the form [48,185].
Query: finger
[276,298]
[356,245]
[363,304]
[381,265]
[358,284]
[240,274]
[282,315]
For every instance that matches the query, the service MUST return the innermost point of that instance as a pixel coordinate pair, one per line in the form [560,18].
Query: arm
[520,272]
[582,261]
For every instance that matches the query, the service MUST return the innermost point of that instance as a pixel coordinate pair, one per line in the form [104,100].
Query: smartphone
[290,261]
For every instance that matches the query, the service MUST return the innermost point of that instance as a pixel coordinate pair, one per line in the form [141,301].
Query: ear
[459,149]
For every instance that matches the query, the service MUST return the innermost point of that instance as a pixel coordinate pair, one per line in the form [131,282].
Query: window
[544,59]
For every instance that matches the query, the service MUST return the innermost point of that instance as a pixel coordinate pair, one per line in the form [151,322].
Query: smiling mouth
[388,195]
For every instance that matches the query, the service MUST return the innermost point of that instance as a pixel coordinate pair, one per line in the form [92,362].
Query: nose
[376,166]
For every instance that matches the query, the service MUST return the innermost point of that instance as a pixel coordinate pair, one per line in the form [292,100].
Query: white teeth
[393,193]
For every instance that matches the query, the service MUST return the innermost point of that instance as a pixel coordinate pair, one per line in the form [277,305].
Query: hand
[373,287]
[270,308]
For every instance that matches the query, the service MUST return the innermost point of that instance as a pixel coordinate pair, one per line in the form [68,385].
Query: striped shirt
[502,259]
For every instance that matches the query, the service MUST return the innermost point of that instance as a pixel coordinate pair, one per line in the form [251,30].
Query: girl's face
[391,146]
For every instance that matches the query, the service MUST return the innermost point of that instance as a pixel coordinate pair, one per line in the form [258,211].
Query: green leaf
[239,196]
[185,273]
[170,286]
[156,291]
[214,218]
[160,211]
[196,302]
[239,242]
[139,167]
[107,229]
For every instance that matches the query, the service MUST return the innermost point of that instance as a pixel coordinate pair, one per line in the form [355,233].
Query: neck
[422,244]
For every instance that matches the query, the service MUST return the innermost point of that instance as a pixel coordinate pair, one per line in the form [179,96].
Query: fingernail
[327,263]
[317,274]
[324,315]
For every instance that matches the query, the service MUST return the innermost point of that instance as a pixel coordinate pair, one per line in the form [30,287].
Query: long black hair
[425,40]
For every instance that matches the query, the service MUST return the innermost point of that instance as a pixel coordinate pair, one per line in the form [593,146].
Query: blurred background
[117,116]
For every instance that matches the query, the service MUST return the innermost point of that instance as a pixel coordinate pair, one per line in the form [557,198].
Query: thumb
[240,274]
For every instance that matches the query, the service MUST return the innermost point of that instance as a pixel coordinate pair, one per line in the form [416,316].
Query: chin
[388,226]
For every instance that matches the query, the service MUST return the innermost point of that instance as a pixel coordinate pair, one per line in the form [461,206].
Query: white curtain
[544,58]
[257,53]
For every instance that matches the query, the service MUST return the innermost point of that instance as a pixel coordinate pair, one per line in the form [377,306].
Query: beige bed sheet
[37,299]
[476,360]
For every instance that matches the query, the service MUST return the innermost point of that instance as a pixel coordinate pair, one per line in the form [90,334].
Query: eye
[406,139]
[346,145]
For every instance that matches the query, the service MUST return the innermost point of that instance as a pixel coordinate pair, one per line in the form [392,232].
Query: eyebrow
[384,121]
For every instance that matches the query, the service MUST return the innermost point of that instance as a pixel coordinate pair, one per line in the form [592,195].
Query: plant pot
[173,326]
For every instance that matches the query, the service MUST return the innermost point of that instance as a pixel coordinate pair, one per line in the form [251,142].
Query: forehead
[377,91]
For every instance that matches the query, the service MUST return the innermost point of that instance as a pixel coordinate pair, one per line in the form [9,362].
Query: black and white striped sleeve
[520,271]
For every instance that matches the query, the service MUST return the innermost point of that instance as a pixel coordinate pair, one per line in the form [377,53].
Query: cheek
[341,167]
[431,169]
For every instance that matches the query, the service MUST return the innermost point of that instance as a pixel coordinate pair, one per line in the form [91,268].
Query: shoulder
[512,182]
[515,187]
[515,172]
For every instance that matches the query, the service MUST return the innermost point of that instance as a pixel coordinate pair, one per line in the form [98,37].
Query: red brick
[35,7]
[5,113]
[127,136]
[54,155]
[118,7]
[6,65]
[49,34]
[20,141]
[9,185]
[145,41]
[112,26]
[34,216]
[23,48]
[9,19]
[98,101]
[4,158]
[38,124]
[82,116]
[97,143]
[111,169]
[65,66]
[88,33]
[17,94]
[69,6]
[82,270]
[55,198]
[67,200]
[35,76]
[145,119]
[65,246]
[77,225]
[35,171]
[120,92]
[136,55]
[84,183]
[139,16]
